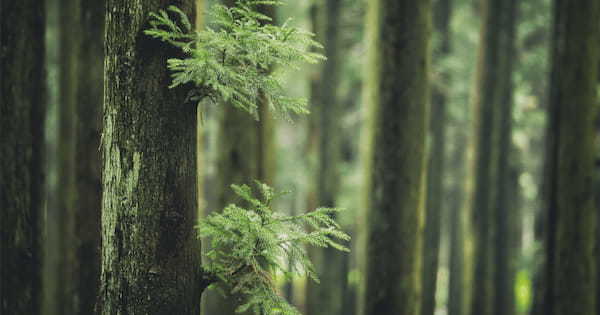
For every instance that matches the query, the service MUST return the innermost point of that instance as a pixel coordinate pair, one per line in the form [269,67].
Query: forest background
[459,136]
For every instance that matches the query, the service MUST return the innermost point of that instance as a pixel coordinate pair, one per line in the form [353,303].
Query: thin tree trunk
[571,236]
[150,253]
[60,261]
[326,298]
[493,75]
[397,87]
[456,285]
[22,109]
[434,209]
[316,12]
[88,162]
[505,210]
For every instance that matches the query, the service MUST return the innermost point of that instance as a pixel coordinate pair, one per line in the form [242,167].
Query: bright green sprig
[251,243]
[232,59]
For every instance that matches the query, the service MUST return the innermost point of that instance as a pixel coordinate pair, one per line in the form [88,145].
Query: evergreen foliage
[251,244]
[232,58]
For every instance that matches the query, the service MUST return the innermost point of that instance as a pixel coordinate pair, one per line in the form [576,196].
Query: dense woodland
[318,157]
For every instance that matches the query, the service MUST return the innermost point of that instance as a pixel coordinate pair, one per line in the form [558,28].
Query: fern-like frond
[251,245]
[232,59]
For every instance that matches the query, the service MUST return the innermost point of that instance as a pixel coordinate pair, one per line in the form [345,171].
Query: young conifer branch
[231,58]
[252,243]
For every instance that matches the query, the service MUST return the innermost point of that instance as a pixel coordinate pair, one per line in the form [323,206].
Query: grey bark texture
[150,253]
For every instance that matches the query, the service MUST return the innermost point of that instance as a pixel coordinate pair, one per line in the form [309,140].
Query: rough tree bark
[150,253]
[397,87]
[571,214]
[22,109]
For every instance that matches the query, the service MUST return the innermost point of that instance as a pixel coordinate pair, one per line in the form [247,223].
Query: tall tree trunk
[456,282]
[571,265]
[150,253]
[431,248]
[505,256]
[22,109]
[326,298]
[397,88]
[60,260]
[493,74]
[88,169]
[316,12]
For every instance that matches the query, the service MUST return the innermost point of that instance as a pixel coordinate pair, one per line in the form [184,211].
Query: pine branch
[230,59]
[250,244]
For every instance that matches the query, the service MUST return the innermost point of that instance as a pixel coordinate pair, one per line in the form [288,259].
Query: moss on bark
[397,90]
[150,254]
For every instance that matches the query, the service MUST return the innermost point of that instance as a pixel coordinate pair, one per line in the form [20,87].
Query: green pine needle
[232,59]
[251,244]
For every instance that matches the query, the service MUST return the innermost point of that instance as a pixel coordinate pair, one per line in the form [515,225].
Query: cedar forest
[317,157]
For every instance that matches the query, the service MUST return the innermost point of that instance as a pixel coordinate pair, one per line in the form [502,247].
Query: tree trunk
[434,214]
[571,265]
[326,297]
[150,253]
[398,32]
[505,256]
[456,281]
[22,109]
[88,162]
[493,74]
[60,261]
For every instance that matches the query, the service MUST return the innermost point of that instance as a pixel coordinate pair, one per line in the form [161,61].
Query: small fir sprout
[233,58]
[251,243]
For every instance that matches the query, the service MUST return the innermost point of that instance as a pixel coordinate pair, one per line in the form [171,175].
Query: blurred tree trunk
[150,253]
[316,12]
[88,165]
[60,259]
[22,110]
[571,213]
[456,285]
[246,153]
[493,76]
[505,255]
[326,297]
[435,176]
[397,93]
